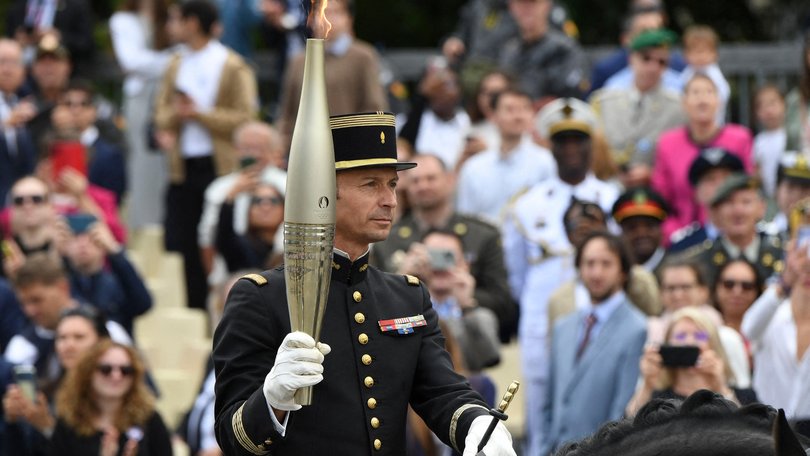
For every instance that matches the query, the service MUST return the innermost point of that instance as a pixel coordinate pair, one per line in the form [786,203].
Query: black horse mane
[704,424]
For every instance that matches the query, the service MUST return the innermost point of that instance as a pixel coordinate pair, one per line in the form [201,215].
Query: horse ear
[784,440]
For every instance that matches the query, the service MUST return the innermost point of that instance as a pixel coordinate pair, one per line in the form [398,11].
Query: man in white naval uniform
[538,254]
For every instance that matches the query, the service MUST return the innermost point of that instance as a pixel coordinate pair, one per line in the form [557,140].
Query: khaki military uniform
[632,122]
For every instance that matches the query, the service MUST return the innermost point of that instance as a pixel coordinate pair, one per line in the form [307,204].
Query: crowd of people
[605,215]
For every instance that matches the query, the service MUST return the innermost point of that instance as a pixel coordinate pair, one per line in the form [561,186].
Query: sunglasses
[648,58]
[745,285]
[700,336]
[75,104]
[107,370]
[273,200]
[35,199]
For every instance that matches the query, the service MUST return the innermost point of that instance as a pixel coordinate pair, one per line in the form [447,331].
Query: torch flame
[318,23]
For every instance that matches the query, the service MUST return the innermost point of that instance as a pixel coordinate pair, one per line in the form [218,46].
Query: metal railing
[746,66]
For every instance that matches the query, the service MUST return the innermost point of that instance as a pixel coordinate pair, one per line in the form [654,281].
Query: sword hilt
[498,414]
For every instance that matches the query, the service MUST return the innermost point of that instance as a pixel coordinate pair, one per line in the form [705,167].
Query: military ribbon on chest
[402,325]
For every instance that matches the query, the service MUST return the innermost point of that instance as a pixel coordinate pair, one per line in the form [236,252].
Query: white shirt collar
[605,309]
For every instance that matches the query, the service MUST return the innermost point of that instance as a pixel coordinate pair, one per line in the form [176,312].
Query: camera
[442,259]
[679,355]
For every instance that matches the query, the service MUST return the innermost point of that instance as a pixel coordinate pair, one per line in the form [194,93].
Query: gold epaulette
[258,279]
[412,280]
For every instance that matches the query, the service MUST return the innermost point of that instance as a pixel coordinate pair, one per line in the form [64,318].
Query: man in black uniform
[385,350]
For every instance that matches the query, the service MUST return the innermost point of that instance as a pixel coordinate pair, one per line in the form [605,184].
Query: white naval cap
[565,114]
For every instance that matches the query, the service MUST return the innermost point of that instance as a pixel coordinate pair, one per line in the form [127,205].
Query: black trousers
[184,206]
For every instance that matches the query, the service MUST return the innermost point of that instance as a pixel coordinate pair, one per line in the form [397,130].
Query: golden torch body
[309,211]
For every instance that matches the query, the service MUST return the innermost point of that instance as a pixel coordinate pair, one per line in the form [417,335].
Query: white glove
[499,444]
[298,364]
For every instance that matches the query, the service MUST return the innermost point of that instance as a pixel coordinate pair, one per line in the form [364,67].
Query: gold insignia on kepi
[404,232]
[567,110]
[767,259]
[382,137]
[640,198]
[255,278]
[460,229]
[719,258]
[412,280]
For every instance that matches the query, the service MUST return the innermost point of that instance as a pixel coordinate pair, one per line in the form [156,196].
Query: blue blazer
[583,395]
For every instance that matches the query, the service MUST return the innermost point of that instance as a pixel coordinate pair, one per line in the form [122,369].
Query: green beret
[653,38]
[734,182]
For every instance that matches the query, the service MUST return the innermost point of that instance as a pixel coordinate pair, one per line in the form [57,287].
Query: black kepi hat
[366,140]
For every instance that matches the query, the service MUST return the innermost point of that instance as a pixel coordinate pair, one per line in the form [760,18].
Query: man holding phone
[259,149]
[429,188]
[452,289]
[100,272]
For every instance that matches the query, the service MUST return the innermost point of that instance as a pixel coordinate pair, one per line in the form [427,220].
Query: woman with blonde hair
[711,371]
[105,407]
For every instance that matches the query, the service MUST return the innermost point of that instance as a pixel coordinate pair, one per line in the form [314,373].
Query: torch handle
[303,396]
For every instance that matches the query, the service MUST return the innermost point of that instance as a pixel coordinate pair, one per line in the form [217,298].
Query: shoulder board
[775,241]
[476,220]
[605,94]
[681,233]
[695,250]
[412,280]
[258,279]
[673,96]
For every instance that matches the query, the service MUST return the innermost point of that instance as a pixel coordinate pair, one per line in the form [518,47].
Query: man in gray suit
[594,352]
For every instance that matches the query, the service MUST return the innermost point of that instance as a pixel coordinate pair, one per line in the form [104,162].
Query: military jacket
[482,250]
[370,376]
[713,254]
[632,129]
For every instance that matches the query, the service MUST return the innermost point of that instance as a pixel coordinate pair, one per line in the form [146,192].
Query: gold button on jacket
[375,422]
[368,381]
[377,444]
[359,317]
[366,359]
[362,338]
[357,296]
[372,403]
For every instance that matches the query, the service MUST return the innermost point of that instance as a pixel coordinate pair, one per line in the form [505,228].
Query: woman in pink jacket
[677,148]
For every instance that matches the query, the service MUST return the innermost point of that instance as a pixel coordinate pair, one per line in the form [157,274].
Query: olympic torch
[309,211]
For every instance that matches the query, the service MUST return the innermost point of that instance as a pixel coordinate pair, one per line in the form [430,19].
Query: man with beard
[640,212]
[595,351]
[429,188]
[539,256]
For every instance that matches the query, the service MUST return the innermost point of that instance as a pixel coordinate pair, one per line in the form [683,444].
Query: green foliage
[406,23]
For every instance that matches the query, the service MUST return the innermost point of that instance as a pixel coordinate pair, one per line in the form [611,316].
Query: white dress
[143,67]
